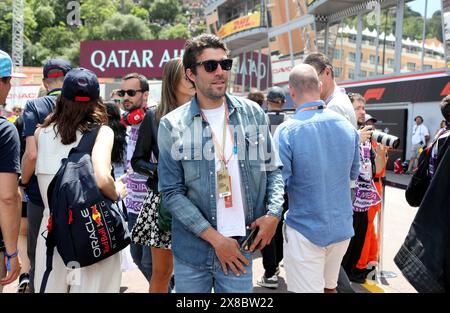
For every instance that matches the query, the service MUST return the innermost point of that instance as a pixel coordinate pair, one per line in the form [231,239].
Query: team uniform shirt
[230,221]
[136,183]
[366,193]
[34,114]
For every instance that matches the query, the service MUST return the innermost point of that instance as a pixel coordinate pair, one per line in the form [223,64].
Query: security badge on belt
[224,186]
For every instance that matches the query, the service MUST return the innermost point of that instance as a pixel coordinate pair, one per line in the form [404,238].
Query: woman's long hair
[173,74]
[70,116]
[120,132]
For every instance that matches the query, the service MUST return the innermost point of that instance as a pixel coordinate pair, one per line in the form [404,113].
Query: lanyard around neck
[220,148]
[316,107]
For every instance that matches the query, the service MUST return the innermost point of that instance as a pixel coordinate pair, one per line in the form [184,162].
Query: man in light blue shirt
[320,155]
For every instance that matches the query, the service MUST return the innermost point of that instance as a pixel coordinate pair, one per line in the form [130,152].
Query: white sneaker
[271,282]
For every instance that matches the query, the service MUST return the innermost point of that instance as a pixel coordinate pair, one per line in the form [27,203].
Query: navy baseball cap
[276,94]
[81,85]
[56,68]
[6,66]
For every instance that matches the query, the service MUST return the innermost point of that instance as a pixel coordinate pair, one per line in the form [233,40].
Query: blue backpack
[84,226]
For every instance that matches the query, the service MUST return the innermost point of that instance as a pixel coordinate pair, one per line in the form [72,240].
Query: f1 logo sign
[375,93]
[446,90]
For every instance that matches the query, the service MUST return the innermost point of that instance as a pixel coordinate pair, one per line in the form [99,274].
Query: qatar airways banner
[120,57]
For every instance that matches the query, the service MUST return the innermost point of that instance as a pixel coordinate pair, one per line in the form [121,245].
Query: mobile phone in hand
[247,243]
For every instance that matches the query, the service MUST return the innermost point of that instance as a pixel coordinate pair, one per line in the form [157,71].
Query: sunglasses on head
[211,65]
[129,92]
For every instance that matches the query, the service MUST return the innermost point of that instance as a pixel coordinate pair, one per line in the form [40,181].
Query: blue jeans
[141,255]
[192,280]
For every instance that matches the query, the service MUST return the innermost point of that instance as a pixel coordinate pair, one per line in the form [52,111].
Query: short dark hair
[418,116]
[445,108]
[194,47]
[353,96]
[142,80]
[320,62]
[256,96]
[6,79]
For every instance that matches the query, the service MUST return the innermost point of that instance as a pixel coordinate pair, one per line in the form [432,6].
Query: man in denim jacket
[219,176]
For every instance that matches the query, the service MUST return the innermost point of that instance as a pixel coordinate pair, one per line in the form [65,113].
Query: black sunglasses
[129,92]
[211,65]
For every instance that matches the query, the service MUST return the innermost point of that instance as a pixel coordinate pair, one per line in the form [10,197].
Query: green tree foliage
[47,34]
[121,27]
[164,11]
[174,32]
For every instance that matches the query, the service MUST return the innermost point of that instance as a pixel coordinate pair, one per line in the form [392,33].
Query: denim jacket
[187,173]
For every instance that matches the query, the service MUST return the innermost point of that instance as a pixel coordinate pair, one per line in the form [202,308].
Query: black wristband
[21,184]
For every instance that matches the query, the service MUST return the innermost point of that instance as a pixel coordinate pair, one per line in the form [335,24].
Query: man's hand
[229,254]
[267,227]
[13,270]
[365,133]
[227,251]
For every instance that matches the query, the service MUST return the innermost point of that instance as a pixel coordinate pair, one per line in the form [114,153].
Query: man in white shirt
[334,96]
[419,140]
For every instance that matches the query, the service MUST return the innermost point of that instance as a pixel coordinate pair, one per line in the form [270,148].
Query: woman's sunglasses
[211,65]
[129,92]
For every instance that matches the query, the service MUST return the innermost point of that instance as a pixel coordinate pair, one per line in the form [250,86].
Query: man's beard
[133,106]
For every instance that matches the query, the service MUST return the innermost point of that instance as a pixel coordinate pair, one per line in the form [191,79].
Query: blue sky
[419,6]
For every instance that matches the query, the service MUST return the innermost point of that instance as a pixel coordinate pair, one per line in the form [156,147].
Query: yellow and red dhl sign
[240,24]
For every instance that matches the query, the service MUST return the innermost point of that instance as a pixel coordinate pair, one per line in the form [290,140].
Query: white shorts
[311,268]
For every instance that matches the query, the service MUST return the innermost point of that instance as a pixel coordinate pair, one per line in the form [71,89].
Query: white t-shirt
[230,221]
[419,133]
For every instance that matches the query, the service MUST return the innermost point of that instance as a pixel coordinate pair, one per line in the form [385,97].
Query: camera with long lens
[386,139]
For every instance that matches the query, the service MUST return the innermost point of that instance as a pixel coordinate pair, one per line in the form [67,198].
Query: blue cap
[276,94]
[81,85]
[56,68]
[6,66]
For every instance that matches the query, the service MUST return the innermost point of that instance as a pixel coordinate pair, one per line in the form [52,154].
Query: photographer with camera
[366,194]
[419,140]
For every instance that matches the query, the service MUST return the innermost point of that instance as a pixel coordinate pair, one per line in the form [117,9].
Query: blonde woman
[176,90]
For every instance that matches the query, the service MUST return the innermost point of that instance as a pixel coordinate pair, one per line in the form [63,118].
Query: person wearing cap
[370,120]
[369,254]
[272,254]
[9,195]
[334,96]
[78,109]
[34,114]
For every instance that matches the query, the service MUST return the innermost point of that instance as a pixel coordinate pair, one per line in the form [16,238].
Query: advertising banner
[118,58]
[240,24]
[252,69]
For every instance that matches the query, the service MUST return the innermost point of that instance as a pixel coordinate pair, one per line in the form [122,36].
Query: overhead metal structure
[17,45]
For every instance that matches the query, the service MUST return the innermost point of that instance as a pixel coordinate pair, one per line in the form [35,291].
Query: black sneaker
[24,281]
[271,282]
[358,276]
